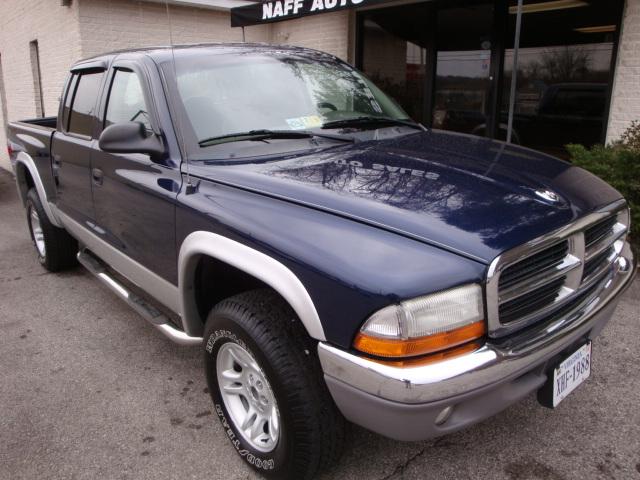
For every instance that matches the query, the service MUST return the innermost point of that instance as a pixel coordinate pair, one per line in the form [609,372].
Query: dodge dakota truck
[335,261]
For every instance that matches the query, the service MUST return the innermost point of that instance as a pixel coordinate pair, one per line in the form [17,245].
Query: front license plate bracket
[565,376]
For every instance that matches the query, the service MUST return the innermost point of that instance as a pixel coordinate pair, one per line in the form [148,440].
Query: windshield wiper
[267,134]
[362,121]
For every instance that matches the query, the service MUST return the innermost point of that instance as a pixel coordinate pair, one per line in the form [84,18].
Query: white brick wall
[625,103]
[57,32]
[328,32]
[117,24]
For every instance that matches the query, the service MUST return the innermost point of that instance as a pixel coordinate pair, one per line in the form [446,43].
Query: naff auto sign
[278,10]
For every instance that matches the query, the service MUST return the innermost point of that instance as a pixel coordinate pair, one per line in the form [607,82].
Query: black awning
[279,10]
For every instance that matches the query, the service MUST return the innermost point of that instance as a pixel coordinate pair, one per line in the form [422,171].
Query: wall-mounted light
[548,6]
[598,29]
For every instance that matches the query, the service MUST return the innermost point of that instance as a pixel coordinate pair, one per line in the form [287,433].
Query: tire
[56,249]
[311,430]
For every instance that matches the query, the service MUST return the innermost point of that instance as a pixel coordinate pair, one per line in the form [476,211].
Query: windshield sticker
[301,123]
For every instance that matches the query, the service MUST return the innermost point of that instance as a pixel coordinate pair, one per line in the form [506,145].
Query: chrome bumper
[492,364]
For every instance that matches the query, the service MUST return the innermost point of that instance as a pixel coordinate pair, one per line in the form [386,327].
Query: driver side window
[126,100]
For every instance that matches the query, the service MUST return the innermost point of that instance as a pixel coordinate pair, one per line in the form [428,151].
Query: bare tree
[568,64]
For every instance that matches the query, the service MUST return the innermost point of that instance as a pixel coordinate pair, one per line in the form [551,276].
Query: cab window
[84,104]
[126,100]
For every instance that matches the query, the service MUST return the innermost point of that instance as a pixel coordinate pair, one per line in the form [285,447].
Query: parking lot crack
[399,470]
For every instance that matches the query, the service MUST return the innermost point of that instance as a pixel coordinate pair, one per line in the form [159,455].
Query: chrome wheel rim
[248,397]
[36,232]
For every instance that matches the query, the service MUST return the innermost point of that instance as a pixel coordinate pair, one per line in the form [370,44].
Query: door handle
[55,167]
[97,176]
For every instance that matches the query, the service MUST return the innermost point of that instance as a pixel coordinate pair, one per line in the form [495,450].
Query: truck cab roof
[163,52]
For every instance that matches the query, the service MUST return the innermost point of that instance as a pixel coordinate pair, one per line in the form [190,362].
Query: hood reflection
[463,193]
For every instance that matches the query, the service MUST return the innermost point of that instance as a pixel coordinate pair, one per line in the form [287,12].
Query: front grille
[577,300]
[547,258]
[600,230]
[527,304]
[595,263]
[549,275]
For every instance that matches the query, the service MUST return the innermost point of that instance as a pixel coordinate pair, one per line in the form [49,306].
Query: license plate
[570,373]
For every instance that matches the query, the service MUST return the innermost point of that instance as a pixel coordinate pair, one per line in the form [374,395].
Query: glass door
[462,93]
[563,72]
[394,53]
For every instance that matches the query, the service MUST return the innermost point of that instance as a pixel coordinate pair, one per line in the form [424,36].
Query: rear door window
[84,104]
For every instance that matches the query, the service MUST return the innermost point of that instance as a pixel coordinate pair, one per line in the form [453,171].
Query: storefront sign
[278,10]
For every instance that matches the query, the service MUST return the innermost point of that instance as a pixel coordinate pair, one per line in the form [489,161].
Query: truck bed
[33,138]
[48,122]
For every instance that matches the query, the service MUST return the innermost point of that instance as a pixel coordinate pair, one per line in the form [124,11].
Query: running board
[147,311]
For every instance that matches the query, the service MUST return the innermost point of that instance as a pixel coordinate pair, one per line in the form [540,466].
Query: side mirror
[130,137]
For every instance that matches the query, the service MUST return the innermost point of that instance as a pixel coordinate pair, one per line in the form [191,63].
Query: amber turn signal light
[412,347]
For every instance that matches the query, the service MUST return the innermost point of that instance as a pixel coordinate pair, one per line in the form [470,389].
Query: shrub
[619,166]
[631,137]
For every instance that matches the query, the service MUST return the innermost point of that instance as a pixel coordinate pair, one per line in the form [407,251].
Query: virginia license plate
[570,373]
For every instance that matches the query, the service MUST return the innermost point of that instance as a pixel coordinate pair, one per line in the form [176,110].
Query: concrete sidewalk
[89,390]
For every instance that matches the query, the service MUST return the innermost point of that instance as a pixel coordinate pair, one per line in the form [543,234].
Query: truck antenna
[190,188]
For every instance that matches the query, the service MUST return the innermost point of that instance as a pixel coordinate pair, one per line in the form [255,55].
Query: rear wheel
[266,384]
[56,249]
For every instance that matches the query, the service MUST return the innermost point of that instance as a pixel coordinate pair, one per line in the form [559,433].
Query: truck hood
[467,194]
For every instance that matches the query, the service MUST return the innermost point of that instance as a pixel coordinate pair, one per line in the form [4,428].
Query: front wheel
[266,384]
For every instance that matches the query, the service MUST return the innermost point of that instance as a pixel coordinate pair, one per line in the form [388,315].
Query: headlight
[424,324]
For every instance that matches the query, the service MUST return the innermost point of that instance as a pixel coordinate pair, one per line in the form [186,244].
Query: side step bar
[147,311]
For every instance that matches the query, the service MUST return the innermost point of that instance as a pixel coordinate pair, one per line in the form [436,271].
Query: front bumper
[407,403]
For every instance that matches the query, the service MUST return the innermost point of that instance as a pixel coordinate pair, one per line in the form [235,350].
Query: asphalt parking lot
[89,390]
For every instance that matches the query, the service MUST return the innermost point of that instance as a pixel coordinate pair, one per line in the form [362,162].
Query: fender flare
[25,159]
[253,262]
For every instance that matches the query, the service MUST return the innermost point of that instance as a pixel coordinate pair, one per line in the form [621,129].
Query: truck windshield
[227,94]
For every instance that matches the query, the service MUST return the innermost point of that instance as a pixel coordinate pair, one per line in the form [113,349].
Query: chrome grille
[549,274]
[531,302]
[592,265]
[548,258]
[599,231]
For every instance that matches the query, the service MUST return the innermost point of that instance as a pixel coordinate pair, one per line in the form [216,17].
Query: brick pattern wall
[328,32]
[625,103]
[4,159]
[56,29]
[116,24]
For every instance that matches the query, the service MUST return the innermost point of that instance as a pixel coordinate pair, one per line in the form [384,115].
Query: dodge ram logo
[548,195]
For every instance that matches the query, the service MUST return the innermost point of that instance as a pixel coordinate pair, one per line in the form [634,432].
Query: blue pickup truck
[335,261]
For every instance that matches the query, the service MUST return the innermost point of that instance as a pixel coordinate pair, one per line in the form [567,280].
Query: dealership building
[449,63]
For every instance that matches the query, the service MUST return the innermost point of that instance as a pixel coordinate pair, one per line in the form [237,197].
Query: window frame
[133,67]
[110,92]
[73,85]
[69,91]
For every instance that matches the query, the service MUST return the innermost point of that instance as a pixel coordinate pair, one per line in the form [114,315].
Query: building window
[463,70]
[37,80]
[449,65]
[394,54]
[563,73]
